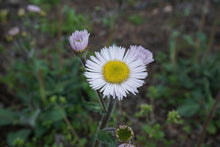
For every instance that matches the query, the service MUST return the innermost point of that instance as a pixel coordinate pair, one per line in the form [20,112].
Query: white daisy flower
[115,72]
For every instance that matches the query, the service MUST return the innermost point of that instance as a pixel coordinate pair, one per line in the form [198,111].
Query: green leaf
[8,117]
[212,128]
[136,19]
[201,36]
[93,106]
[53,115]
[33,118]
[107,138]
[154,132]
[188,109]
[20,136]
[189,40]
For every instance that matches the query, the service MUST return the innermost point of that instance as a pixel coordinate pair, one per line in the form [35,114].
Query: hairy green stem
[208,119]
[101,101]
[104,120]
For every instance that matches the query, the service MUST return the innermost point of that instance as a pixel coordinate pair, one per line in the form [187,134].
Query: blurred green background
[44,97]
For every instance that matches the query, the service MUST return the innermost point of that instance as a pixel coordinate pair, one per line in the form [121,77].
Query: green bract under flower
[124,133]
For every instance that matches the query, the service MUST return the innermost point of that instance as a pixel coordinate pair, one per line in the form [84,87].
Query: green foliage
[189,108]
[132,2]
[109,21]
[107,138]
[145,110]
[94,106]
[73,21]
[51,2]
[186,84]
[136,19]
[18,138]
[48,95]
[8,117]
[174,117]
[154,132]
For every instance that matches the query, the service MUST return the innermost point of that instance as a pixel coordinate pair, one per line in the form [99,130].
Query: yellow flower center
[115,72]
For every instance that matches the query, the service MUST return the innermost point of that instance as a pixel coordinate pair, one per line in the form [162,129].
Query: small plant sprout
[174,117]
[79,40]
[124,133]
[126,145]
[145,110]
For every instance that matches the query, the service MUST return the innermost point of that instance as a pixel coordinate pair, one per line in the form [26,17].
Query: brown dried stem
[208,119]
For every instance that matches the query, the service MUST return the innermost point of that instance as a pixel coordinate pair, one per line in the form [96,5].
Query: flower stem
[208,119]
[101,101]
[104,120]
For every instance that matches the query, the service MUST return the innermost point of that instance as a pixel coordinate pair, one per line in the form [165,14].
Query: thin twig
[200,29]
[213,31]
[60,22]
[72,130]
[208,119]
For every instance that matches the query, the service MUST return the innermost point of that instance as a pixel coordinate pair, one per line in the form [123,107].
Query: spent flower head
[79,40]
[141,53]
[124,133]
[115,72]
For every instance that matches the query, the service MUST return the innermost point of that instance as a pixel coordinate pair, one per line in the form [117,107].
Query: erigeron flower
[141,53]
[124,133]
[33,8]
[79,40]
[126,145]
[115,72]
[13,31]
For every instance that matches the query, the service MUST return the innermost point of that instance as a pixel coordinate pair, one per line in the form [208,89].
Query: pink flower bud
[79,40]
